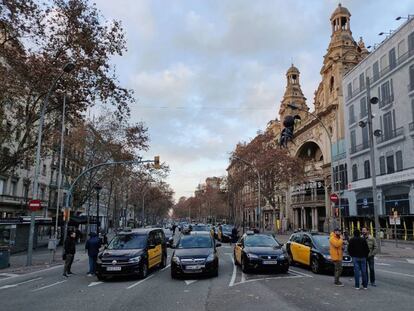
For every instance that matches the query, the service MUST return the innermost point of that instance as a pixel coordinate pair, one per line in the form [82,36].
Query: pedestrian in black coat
[358,250]
[92,246]
[69,254]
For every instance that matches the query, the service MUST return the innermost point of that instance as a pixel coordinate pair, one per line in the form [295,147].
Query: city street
[300,289]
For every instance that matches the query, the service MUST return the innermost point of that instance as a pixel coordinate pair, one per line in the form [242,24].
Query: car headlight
[210,257]
[252,256]
[135,259]
[328,257]
[176,259]
[282,257]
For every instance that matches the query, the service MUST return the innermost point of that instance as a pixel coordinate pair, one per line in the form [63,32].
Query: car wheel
[163,263]
[144,271]
[315,266]
[244,267]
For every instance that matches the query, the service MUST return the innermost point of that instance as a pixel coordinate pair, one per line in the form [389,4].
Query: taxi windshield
[200,228]
[260,241]
[128,241]
[195,241]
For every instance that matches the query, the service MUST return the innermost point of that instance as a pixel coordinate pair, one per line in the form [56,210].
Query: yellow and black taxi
[260,252]
[195,253]
[133,253]
[312,249]
[224,233]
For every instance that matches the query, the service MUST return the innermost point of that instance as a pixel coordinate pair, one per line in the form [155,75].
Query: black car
[260,252]
[312,249]
[169,239]
[133,253]
[224,233]
[195,253]
[200,227]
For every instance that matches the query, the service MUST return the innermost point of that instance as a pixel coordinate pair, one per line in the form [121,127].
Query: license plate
[347,264]
[270,262]
[113,268]
[194,267]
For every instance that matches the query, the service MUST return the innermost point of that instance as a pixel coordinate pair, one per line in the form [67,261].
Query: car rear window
[195,241]
[260,241]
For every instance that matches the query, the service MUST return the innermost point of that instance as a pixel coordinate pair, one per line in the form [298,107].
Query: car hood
[264,250]
[193,252]
[121,253]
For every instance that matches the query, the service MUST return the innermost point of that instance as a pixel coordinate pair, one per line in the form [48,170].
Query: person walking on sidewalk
[373,249]
[358,250]
[335,250]
[92,245]
[69,255]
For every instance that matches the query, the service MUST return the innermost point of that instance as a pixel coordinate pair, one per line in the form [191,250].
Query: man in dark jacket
[70,250]
[92,246]
[358,250]
[234,234]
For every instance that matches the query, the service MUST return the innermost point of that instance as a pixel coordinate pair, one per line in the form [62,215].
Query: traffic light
[287,133]
[157,162]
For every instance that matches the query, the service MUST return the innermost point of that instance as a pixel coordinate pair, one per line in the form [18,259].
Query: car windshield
[195,241]
[200,228]
[167,232]
[260,241]
[227,228]
[321,241]
[128,241]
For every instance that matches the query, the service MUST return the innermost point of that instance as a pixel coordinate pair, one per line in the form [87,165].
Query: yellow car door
[154,250]
[238,252]
[295,247]
[305,250]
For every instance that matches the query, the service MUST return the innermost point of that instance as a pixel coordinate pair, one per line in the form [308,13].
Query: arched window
[331,84]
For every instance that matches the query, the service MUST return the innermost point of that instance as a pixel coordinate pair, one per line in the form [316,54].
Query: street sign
[334,197]
[395,220]
[35,205]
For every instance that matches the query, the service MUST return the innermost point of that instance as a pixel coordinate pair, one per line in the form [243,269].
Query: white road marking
[47,286]
[165,268]
[8,275]
[410,261]
[139,282]
[300,273]
[382,264]
[233,277]
[188,282]
[243,277]
[397,273]
[31,273]
[94,283]
[17,284]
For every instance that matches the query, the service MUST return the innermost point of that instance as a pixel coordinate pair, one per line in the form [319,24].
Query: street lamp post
[98,189]
[66,69]
[259,187]
[294,107]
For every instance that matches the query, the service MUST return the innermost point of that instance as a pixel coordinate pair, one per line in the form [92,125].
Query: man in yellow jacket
[335,249]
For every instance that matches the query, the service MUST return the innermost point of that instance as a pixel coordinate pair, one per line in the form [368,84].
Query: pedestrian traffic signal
[157,162]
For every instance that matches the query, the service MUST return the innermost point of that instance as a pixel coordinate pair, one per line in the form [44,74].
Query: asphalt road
[231,290]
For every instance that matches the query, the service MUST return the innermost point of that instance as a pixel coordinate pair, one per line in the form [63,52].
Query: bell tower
[293,96]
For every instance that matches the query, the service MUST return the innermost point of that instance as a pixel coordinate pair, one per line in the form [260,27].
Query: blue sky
[208,74]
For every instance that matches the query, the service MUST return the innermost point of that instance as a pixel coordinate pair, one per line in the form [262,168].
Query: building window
[349,90]
[382,165]
[411,77]
[387,126]
[411,43]
[365,141]
[390,164]
[399,160]
[361,81]
[363,107]
[354,172]
[42,193]
[2,186]
[44,170]
[392,59]
[367,169]
[13,188]
[386,94]
[353,141]
[375,71]
[351,115]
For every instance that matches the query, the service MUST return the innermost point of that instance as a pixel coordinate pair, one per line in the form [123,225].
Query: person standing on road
[234,235]
[70,250]
[373,249]
[358,250]
[92,246]
[335,250]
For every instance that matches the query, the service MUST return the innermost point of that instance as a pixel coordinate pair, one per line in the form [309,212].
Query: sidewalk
[388,249]
[40,260]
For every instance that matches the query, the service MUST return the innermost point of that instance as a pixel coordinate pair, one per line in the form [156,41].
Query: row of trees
[37,39]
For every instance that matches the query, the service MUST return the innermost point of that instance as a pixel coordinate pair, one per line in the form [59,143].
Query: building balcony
[300,199]
[390,135]
[411,126]
[358,148]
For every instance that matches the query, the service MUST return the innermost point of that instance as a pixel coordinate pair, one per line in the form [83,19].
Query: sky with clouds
[210,73]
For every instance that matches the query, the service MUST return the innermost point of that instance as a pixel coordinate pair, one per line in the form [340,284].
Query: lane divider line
[396,273]
[165,267]
[233,277]
[17,284]
[139,282]
[47,286]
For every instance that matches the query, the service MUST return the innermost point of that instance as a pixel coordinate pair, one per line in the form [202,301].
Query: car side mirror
[218,244]
[151,246]
[239,244]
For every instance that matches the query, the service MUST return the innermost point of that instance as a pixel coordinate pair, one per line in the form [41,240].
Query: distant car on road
[200,227]
[133,253]
[169,239]
[195,253]
[312,250]
[224,233]
[260,252]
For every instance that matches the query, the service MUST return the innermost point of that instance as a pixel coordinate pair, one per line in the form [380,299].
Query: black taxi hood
[264,250]
[110,253]
[193,252]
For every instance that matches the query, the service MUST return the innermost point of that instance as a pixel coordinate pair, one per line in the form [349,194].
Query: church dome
[340,10]
[292,70]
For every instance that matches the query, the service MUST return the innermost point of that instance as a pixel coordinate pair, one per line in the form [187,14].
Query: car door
[305,249]
[153,250]
[238,249]
[295,246]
